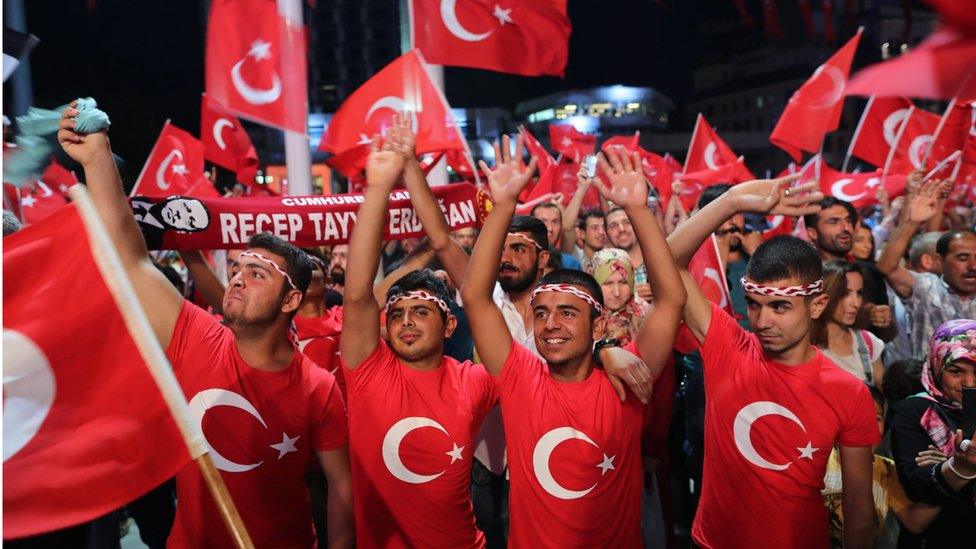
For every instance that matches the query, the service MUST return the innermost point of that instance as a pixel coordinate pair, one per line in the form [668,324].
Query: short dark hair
[585,217]
[902,379]
[297,263]
[421,279]
[711,193]
[783,257]
[810,220]
[533,226]
[612,210]
[555,259]
[942,246]
[576,278]
[547,205]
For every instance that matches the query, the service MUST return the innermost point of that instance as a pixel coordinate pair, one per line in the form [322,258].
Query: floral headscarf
[952,341]
[623,323]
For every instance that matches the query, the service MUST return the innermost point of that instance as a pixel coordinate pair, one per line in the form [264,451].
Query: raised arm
[159,299]
[628,188]
[360,325]
[920,207]
[506,181]
[571,215]
[418,258]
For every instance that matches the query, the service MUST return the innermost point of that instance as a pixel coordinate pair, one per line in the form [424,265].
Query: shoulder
[911,408]
[838,380]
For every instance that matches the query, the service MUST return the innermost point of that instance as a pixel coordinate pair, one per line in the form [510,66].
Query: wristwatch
[600,345]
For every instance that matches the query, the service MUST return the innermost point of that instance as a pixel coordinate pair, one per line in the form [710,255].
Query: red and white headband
[281,271]
[419,294]
[567,289]
[805,290]
[530,241]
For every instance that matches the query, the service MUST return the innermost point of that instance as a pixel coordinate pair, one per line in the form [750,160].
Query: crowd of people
[560,379]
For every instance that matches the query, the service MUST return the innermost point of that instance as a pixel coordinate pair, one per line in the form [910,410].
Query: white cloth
[852,362]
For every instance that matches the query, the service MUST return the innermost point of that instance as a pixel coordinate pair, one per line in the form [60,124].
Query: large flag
[917,135]
[707,270]
[569,141]
[403,85]
[706,150]
[256,63]
[174,166]
[85,429]
[48,194]
[815,108]
[878,129]
[860,189]
[225,142]
[955,127]
[528,38]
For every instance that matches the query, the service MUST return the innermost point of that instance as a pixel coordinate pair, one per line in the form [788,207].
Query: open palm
[384,164]
[510,175]
[628,187]
[924,204]
[776,197]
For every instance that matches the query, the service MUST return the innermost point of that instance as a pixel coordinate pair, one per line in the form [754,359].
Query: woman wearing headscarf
[623,308]
[931,421]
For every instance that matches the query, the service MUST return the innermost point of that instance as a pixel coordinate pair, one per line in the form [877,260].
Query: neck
[838,336]
[573,371]
[588,250]
[264,348]
[800,353]
[425,364]
[734,256]
[312,308]
[826,256]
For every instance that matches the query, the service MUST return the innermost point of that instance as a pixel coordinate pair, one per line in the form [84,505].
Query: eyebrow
[252,265]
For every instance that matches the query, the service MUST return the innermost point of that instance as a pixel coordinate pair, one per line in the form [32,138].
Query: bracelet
[957,473]
[600,345]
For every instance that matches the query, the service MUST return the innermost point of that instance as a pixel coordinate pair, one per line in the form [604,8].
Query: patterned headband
[281,271]
[567,289]
[420,294]
[813,288]
[531,242]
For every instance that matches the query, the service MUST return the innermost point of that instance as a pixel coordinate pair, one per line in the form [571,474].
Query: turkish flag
[527,38]
[815,108]
[256,63]
[175,164]
[859,189]
[659,171]
[85,427]
[943,66]
[694,183]
[547,166]
[707,270]
[403,85]
[225,142]
[47,194]
[571,142]
[706,150]
[778,225]
[461,162]
[956,125]
[915,141]
[878,129]
[566,183]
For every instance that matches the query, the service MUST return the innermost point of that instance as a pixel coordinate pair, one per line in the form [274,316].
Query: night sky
[143,61]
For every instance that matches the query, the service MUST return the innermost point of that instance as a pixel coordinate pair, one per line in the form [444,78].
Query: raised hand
[776,197]
[400,135]
[628,187]
[384,164]
[83,148]
[510,175]
[924,203]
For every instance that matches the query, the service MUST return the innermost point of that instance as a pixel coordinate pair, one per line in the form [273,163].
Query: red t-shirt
[769,429]
[318,339]
[574,454]
[262,427]
[411,443]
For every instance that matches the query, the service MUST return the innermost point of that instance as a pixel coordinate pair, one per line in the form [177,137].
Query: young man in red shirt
[265,410]
[573,445]
[775,406]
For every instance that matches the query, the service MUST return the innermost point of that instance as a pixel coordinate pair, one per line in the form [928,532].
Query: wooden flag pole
[110,266]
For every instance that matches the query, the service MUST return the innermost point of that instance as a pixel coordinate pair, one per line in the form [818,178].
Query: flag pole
[298,152]
[857,133]
[110,266]
[694,132]
[938,131]
[894,146]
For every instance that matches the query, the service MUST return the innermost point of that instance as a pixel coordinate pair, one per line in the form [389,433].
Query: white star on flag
[260,50]
[503,15]
[63,188]
[567,142]
[28,201]
[807,451]
[286,445]
[455,453]
[180,169]
[364,139]
[607,464]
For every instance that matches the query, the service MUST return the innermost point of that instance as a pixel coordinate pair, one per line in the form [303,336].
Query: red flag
[85,427]
[707,151]
[225,142]
[571,142]
[461,163]
[174,165]
[943,66]
[673,163]
[547,166]
[628,143]
[743,9]
[807,14]
[256,63]
[859,189]
[951,135]
[693,183]
[815,108]
[876,134]
[566,183]
[528,38]
[403,85]
[778,225]
[707,270]
[915,141]
[959,15]
[771,23]
[47,194]
[830,32]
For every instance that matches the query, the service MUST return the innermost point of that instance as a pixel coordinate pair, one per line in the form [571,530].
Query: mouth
[409,338]
[555,343]
[969,276]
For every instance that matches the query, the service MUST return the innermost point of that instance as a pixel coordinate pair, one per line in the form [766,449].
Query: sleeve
[920,289]
[381,362]
[908,438]
[521,372]
[330,430]
[489,391]
[860,427]
[877,346]
[194,327]
[725,345]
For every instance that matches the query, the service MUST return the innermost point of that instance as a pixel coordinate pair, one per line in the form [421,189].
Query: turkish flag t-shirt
[411,442]
[769,429]
[263,429]
[574,455]
[318,339]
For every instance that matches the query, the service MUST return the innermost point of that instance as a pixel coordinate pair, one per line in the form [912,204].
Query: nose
[551,323]
[765,318]
[970,380]
[407,318]
[237,280]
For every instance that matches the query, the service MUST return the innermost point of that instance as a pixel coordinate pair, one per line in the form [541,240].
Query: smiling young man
[774,405]
[264,408]
[573,443]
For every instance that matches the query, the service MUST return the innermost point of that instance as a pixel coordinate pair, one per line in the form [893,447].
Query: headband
[567,289]
[531,242]
[281,271]
[420,294]
[813,288]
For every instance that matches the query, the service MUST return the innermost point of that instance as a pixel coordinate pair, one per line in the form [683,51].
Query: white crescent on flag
[837,189]
[449,16]
[256,96]
[29,389]
[164,165]
[218,128]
